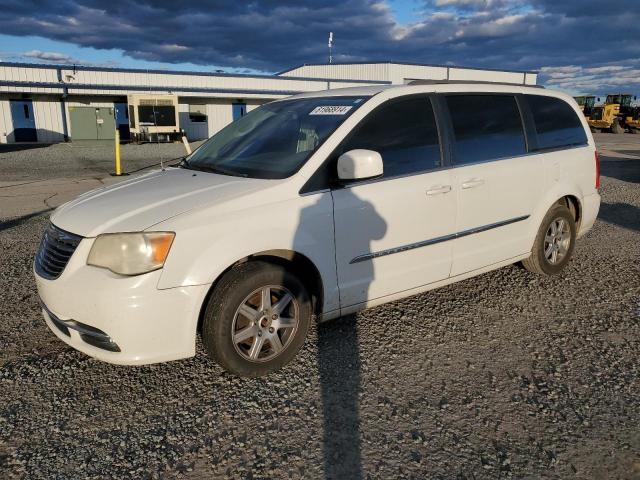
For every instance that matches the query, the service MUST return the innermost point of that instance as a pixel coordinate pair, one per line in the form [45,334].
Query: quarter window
[486,127]
[557,124]
[404,133]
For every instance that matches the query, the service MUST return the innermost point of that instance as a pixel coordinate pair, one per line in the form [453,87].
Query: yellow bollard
[118,166]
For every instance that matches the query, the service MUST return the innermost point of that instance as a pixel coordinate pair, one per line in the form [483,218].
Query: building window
[197,113]
[160,115]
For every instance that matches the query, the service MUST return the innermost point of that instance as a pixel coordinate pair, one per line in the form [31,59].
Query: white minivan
[313,207]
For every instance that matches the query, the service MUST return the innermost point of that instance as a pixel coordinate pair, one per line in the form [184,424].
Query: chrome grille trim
[54,252]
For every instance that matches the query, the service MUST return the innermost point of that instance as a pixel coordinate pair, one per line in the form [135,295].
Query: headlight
[131,253]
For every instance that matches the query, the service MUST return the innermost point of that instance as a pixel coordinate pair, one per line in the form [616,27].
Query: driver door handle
[472,183]
[439,189]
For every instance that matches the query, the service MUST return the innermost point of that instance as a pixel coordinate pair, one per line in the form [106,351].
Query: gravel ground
[40,162]
[504,375]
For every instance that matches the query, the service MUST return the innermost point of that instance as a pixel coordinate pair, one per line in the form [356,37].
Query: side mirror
[359,165]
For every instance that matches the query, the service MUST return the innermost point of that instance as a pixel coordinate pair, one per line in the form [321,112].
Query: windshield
[275,140]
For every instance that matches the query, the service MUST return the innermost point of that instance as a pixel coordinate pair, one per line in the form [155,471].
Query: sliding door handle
[474,182]
[439,189]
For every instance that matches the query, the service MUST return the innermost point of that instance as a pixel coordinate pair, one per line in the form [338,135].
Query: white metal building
[36,101]
[398,73]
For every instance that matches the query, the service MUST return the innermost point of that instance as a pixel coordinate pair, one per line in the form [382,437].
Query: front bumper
[122,320]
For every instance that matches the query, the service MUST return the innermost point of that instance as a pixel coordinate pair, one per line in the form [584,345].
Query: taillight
[597,170]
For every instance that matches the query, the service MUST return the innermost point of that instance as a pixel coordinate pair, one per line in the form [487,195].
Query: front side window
[274,140]
[557,124]
[404,133]
[486,127]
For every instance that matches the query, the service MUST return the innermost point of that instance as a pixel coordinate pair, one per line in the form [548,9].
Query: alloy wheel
[265,323]
[557,241]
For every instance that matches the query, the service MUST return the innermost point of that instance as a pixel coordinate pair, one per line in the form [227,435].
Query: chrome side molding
[432,241]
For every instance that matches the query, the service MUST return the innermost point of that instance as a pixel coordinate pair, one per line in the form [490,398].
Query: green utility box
[92,123]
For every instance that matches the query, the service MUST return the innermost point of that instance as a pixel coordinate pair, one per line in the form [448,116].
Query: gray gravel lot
[39,162]
[504,375]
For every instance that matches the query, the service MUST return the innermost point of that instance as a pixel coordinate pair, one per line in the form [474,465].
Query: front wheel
[256,319]
[554,242]
[616,127]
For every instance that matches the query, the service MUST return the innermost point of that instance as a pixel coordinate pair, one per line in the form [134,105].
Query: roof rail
[466,82]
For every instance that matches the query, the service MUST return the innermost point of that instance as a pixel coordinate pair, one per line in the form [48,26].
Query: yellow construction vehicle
[613,114]
[586,102]
[633,121]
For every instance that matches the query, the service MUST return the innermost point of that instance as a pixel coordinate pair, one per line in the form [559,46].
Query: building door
[105,123]
[24,122]
[92,123]
[122,120]
[239,110]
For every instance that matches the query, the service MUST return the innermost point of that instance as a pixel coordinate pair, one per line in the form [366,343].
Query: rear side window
[556,123]
[404,132]
[486,127]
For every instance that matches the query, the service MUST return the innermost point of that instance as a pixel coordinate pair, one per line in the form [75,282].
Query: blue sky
[563,39]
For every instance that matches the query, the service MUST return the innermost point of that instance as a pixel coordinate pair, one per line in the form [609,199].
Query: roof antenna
[330,47]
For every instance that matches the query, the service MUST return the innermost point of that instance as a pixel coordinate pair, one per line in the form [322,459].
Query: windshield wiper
[216,169]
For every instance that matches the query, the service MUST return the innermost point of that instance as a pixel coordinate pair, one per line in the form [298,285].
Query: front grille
[55,250]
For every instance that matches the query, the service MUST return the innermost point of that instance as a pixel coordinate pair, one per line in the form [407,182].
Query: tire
[539,262]
[261,320]
[635,131]
[594,129]
[616,127]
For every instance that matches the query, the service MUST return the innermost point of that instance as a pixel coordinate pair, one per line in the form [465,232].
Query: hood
[137,204]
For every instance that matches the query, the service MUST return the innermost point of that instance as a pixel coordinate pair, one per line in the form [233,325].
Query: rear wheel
[554,242]
[256,320]
[634,131]
[616,127]
[594,129]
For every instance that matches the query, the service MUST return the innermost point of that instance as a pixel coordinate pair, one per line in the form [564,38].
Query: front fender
[207,244]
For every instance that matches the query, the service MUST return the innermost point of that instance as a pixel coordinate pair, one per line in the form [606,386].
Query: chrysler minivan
[314,207]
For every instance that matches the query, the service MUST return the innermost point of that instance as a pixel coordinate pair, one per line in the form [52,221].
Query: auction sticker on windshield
[331,110]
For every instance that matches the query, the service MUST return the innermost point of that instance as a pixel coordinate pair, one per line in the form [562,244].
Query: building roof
[170,72]
[373,62]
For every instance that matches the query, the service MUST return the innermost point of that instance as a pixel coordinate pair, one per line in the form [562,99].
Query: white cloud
[606,69]
[54,57]
[173,47]
[472,4]
[599,80]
